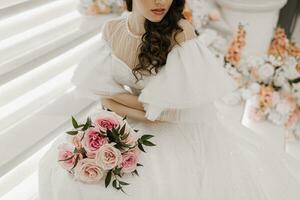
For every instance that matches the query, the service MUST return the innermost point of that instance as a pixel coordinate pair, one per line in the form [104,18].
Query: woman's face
[153,10]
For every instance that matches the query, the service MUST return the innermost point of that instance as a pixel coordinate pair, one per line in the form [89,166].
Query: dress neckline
[128,28]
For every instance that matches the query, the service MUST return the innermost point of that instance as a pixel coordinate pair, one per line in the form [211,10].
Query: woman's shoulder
[113,25]
[188,33]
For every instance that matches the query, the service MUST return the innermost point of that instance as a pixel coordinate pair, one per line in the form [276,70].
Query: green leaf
[110,135]
[148,143]
[74,122]
[122,131]
[123,183]
[136,130]
[140,165]
[115,135]
[117,171]
[87,124]
[85,127]
[75,150]
[141,147]
[66,159]
[123,190]
[72,132]
[114,183]
[89,121]
[76,162]
[125,136]
[125,145]
[146,137]
[136,172]
[108,178]
[125,117]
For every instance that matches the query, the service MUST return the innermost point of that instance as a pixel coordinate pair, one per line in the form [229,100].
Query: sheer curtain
[41,42]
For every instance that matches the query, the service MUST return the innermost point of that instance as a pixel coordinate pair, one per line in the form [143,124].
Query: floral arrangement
[96,7]
[104,147]
[271,82]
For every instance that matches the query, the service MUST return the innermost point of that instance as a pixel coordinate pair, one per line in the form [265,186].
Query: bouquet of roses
[104,147]
[270,82]
[95,7]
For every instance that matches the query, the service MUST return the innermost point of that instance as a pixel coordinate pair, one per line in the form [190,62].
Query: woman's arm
[128,100]
[123,110]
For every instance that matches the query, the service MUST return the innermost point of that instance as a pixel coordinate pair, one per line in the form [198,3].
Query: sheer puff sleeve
[191,78]
[93,77]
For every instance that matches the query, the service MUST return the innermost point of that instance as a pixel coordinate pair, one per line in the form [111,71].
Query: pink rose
[66,153]
[129,161]
[108,157]
[88,171]
[106,120]
[92,142]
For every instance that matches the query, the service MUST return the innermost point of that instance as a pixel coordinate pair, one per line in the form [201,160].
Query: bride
[172,82]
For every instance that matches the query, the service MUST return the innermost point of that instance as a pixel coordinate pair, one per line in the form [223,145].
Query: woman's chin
[155,18]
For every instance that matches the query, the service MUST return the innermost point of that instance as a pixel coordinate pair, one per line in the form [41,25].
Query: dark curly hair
[157,39]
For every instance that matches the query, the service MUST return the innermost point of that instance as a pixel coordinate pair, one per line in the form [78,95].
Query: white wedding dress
[197,156]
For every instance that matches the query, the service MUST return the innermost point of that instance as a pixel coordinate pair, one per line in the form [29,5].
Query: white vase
[259,18]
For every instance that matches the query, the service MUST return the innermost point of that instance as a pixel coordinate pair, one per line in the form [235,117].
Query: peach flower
[293,118]
[88,171]
[108,157]
[279,44]
[234,52]
[266,96]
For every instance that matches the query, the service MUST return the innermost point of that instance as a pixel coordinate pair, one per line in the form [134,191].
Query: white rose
[290,70]
[283,107]
[255,88]
[265,72]
[276,118]
[279,79]
[274,61]
[88,171]
[108,157]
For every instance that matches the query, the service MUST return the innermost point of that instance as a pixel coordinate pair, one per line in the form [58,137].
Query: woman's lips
[159,11]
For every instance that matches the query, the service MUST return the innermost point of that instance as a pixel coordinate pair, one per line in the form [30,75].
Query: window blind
[41,42]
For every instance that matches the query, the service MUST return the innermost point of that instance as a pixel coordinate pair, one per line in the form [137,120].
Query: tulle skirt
[207,160]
